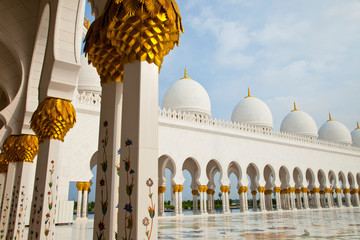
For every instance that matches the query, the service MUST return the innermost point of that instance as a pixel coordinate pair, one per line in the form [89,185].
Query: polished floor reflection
[313,224]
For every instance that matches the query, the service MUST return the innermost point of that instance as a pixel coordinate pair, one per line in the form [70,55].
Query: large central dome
[252,111]
[187,95]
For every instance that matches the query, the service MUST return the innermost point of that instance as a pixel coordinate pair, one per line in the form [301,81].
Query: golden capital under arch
[53,119]
[129,31]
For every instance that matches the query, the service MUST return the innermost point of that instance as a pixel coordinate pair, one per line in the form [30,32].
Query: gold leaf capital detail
[53,119]
[129,31]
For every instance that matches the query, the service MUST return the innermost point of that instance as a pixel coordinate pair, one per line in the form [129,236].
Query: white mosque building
[301,163]
[301,166]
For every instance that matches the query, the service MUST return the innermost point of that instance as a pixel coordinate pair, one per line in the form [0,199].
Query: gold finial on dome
[249,94]
[185,74]
[295,108]
[357,125]
[330,118]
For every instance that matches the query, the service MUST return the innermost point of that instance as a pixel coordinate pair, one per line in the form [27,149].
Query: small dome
[187,95]
[355,135]
[299,122]
[334,131]
[89,79]
[252,111]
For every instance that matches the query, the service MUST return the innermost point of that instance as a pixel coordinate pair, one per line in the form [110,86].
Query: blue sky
[284,50]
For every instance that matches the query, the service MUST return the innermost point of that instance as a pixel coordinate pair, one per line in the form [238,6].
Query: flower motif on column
[129,188]
[151,210]
[129,31]
[50,200]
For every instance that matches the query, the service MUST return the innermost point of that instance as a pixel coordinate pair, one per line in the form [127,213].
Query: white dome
[187,95]
[355,135]
[252,111]
[299,122]
[334,131]
[89,79]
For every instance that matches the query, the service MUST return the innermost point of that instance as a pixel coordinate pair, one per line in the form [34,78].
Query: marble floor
[312,224]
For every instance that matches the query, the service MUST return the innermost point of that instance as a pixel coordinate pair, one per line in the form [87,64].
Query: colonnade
[285,199]
[83,199]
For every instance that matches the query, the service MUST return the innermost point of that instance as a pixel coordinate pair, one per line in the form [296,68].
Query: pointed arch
[310,178]
[322,179]
[165,161]
[269,176]
[298,178]
[284,177]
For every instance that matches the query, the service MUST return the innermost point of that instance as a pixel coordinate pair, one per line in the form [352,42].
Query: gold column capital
[129,31]
[80,186]
[161,189]
[53,119]
[195,192]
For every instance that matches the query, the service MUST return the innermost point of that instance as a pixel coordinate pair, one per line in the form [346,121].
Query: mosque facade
[301,166]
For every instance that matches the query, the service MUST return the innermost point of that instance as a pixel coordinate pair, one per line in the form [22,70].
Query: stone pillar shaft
[79,203]
[137,218]
[16,231]
[7,199]
[43,212]
[84,204]
[2,186]
[107,179]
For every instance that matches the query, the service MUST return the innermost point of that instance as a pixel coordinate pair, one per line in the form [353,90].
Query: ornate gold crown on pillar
[20,148]
[3,164]
[53,119]
[129,31]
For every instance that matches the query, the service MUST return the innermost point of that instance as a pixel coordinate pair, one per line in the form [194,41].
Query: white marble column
[316,198]
[347,197]
[223,198]
[7,199]
[161,191]
[43,213]
[339,197]
[80,188]
[140,128]
[176,199]
[328,194]
[292,198]
[201,200]
[305,198]
[227,200]
[253,193]
[195,201]
[84,208]
[181,188]
[243,199]
[208,192]
[205,200]
[278,198]
[107,179]
[262,198]
[268,200]
[2,185]
[299,204]
[355,196]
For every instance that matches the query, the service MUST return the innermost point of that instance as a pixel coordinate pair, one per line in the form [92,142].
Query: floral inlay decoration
[103,184]
[129,189]
[151,209]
